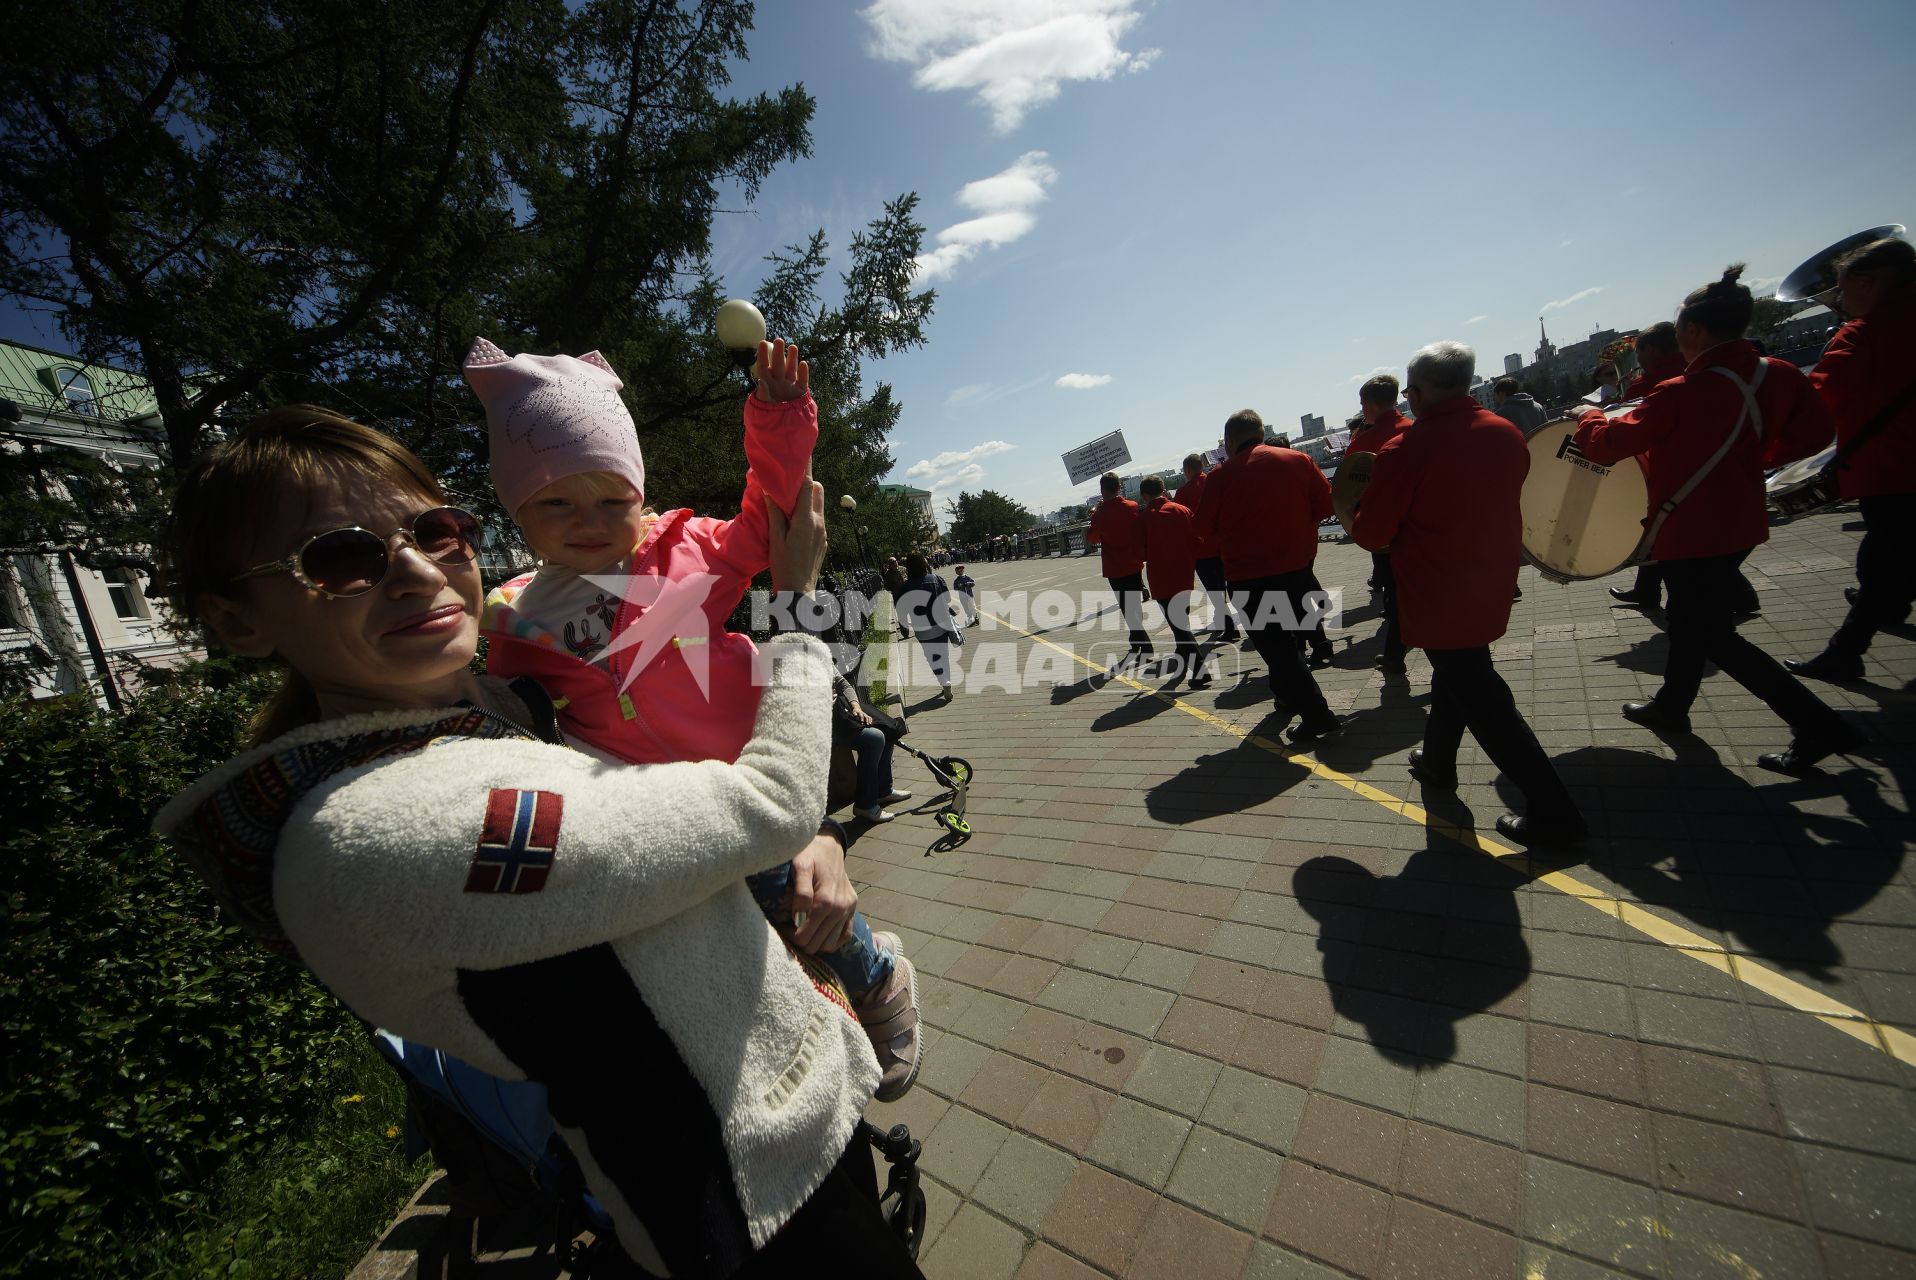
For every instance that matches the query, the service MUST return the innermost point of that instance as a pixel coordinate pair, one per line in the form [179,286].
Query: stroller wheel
[959,770]
[953,823]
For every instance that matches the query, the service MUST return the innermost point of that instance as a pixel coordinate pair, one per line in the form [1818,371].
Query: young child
[966,586]
[567,466]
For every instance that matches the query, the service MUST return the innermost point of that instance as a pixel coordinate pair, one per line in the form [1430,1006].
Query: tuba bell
[1815,280]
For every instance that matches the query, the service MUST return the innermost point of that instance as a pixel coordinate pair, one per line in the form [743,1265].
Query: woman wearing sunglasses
[402,830]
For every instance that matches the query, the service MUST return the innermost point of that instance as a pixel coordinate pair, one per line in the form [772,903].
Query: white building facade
[65,628]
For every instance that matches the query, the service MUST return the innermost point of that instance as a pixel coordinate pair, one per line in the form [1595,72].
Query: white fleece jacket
[373,879]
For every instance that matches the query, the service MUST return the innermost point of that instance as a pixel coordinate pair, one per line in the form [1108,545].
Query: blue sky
[1233,203]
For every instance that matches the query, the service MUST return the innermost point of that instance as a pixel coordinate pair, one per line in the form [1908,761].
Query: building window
[74,388]
[129,600]
[12,609]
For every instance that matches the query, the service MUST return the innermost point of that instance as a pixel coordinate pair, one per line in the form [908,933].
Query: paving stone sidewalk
[1198,1010]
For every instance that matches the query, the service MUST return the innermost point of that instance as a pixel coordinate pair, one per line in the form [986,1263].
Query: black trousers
[1386,590]
[1885,571]
[1312,636]
[1702,628]
[1649,587]
[1467,693]
[1210,572]
[839,1230]
[1268,605]
[1130,592]
[1177,616]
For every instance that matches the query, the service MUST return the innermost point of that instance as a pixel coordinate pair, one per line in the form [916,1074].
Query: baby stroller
[953,776]
[503,1154]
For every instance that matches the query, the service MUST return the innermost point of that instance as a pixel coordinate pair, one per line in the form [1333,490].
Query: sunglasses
[352,561]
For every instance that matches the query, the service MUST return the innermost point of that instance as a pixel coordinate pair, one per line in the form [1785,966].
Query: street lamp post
[849,505]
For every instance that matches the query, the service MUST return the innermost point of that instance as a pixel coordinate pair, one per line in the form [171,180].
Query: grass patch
[307,1205]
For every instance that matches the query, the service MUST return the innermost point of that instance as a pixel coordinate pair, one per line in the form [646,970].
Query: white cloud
[1476,319]
[955,468]
[1574,298]
[1004,203]
[1564,243]
[1382,368]
[964,395]
[1012,55]
[1083,381]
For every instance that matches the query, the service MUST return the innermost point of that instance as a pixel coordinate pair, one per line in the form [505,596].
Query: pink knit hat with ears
[551,417]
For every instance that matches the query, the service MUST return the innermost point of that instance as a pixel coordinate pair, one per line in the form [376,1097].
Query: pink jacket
[687,562]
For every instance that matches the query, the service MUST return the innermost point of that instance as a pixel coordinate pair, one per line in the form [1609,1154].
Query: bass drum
[1580,520]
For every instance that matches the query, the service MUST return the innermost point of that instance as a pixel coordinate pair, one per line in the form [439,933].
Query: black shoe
[1202,680]
[1391,666]
[1828,665]
[1850,594]
[1320,656]
[1314,727]
[1748,608]
[1651,716]
[1527,829]
[1806,753]
[1625,596]
[1519,594]
[1430,776]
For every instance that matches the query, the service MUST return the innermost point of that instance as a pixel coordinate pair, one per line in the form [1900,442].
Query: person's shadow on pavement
[1393,722]
[1410,956]
[1699,839]
[1230,781]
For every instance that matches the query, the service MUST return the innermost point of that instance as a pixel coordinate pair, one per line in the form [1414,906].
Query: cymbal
[1347,486]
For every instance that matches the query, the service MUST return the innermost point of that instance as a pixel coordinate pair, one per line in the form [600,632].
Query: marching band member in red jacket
[1119,537]
[1659,360]
[1263,506]
[1444,497]
[1769,412]
[1170,568]
[1867,369]
[1377,400]
[1210,567]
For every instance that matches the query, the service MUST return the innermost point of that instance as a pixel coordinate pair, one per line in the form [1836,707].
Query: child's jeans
[860,965]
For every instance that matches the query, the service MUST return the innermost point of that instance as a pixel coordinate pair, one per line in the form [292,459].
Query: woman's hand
[822,895]
[781,374]
[798,544]
[861,715]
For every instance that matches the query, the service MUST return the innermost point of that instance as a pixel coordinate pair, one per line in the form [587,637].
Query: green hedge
[148,1044]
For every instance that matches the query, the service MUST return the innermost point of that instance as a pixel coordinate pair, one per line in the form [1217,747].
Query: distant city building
[72,629]
[921,498]
[1313,424]
[1513,363]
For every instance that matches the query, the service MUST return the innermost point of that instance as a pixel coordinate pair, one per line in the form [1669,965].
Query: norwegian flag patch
[518,842]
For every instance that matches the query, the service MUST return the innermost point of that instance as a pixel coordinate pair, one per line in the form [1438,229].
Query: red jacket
[1170,549]
[1869,362]
[1263,506]
[1662,369]
[1118,536]
[1683,422]
[1373,439]
[1188,495]
[1444,497]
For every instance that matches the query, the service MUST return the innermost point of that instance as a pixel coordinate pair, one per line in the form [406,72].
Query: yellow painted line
[1850,1021]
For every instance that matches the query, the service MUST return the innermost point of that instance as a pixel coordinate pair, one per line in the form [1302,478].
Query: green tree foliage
[253,202]
[147,1040]
[976,517]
